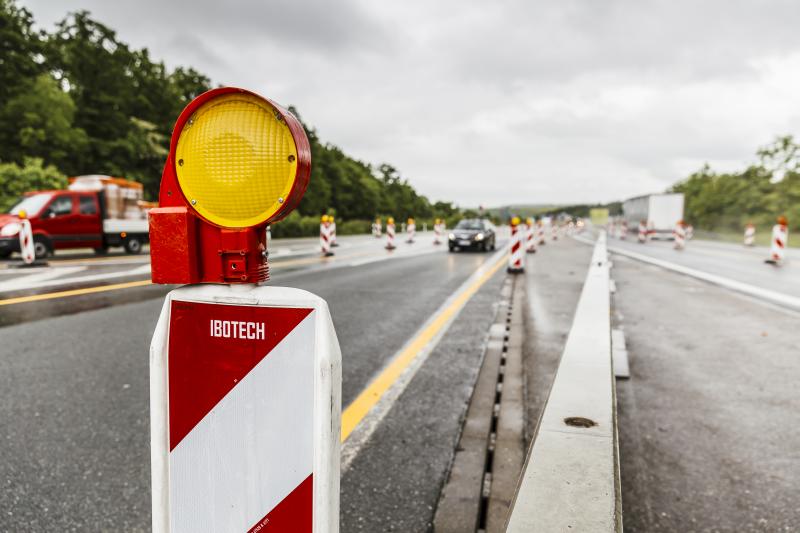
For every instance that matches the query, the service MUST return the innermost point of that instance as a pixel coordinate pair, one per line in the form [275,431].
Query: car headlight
[10,229]
[479,237]
[452,236]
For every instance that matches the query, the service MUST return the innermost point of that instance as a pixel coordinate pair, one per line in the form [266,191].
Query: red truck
[94,212]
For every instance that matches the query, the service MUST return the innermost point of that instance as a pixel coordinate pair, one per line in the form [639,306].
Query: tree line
[78,100]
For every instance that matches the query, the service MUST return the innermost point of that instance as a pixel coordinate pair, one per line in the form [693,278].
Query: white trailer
[660,211]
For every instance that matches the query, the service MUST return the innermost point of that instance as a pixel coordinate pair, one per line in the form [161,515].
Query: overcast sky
[499,102]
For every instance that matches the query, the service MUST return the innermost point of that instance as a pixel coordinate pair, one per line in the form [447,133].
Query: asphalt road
[74,384]
[706,422]
[737,262]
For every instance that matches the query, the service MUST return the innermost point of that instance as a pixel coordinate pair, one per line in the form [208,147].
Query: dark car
[472,233]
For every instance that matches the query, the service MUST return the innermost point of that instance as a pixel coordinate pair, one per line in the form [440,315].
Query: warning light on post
[237,163]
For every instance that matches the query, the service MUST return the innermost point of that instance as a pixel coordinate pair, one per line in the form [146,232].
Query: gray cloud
[502,101]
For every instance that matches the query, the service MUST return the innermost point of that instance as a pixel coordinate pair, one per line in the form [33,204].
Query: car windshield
[31,204]
[470,225]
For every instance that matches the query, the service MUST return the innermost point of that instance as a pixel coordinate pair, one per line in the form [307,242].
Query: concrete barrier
[571,477]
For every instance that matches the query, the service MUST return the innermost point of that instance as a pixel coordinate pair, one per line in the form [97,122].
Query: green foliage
[15,180]
[757,195]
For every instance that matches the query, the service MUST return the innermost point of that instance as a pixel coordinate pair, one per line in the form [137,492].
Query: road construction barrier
[554,231]
[642,237]
[689,232]
[570,481]
[750,235]
[679,235]
[245,379]
[325,236]
[530,243]
[540,236]
[332,231]
[437,231]
[623,232]
[376,228]
[516,257]
[411,230]
[780,237]
[390,234]
[26,244]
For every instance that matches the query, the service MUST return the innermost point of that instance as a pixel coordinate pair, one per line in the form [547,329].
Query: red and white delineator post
[26,245]
[245,379]
[689,232]
[376,228]
[332,232]
[642,236]
[411,230]
[530,243]
[554,230]
[437,231]
[245,385]
[679,234]
[517,254]
[390,234]
[780,238]
[623,230]
[325,236]
[749,235]
[540,232]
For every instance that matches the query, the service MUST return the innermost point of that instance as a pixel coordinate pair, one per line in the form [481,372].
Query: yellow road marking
[370,396]
[74,292]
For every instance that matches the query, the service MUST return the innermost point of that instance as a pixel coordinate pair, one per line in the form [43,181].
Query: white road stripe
[35,280]
[40,283]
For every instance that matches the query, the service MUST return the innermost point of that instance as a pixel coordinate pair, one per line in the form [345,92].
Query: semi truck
[660,211]
[97,212]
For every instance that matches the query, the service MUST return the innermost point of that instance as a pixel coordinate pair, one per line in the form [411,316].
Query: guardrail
[571,477]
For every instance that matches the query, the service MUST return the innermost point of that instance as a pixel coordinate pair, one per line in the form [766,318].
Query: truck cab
[72,218]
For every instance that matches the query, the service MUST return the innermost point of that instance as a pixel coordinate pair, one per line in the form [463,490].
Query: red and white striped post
[26,246]
[540,232]
[516,257]
[390,234]
[689,232]
[325,236]
[749,235]
[437,231]
[780,238]
[332,231]
[679,234]
[529,241]
[554,230]
[642,232]
[377,228]
[623,230]
[411,230]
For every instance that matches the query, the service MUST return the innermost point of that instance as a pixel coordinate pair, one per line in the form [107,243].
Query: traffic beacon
[245,379]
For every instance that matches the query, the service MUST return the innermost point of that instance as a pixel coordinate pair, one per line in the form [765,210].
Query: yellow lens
[236,160]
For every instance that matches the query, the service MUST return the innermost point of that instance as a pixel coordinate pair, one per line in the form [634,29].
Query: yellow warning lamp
[331,219]
[515,221]
[22,214]
[410,221]
[390,220]
[324,219]
[237,163]
[530,221]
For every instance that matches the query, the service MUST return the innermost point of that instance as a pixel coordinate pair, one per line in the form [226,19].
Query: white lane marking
[783,300]
[361,434]
[33,280]
[34,284]
[392,256]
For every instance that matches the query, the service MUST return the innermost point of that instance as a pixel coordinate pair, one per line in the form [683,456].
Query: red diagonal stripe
[294,513]
[203,369]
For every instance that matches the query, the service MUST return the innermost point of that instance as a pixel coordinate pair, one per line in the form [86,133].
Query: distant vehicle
[661,211]
[94,212]
[598,216]
[475,233]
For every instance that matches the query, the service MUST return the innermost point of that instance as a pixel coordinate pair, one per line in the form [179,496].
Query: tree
[15,180]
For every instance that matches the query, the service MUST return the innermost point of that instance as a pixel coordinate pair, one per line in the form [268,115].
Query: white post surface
[245,403]
[570,479]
